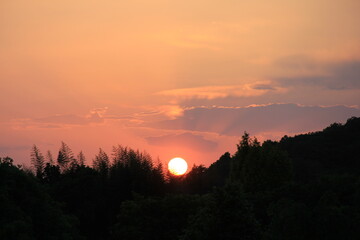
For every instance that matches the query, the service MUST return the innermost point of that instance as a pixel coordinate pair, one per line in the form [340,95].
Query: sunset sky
[175,78]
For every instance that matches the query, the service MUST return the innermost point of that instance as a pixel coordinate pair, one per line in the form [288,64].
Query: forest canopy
[301,187]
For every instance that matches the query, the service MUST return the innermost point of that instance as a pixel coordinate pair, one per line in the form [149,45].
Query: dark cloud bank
[340,75]
[289,118]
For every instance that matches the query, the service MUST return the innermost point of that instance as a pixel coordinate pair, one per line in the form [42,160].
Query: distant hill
[334,150]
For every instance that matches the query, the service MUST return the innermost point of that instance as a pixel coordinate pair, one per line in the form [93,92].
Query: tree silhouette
[27,211]
[226,215]
[65,157]
[195,181]
[81,158]
[260,167]
[49,157]
[155,218]
[245,148]
[37,160]
[266,168]
[218,172]
[51,173]
[101,163]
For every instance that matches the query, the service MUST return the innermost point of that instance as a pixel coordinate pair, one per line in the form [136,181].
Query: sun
[177,166]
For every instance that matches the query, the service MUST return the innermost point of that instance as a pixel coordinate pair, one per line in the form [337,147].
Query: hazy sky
[174,78]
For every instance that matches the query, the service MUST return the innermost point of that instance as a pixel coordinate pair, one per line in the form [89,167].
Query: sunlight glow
[177,166]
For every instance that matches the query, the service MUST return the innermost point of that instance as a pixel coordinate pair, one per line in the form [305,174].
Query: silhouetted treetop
[65,156]
[38,161]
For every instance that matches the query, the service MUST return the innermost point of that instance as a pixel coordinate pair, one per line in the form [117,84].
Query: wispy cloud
[212,92]
[169,111]
[95,116]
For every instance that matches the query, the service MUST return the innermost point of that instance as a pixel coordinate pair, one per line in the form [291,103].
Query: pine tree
[65,157]
[49,158]
[37,160]
[246,148]
[81,158]
[120,155]
[101,162]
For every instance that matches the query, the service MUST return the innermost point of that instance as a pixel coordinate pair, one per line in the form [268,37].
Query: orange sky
[174,78]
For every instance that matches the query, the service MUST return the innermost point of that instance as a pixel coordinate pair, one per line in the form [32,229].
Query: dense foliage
[27,211]
[302,187]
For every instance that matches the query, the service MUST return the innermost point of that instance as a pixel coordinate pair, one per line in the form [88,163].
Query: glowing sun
[177,166]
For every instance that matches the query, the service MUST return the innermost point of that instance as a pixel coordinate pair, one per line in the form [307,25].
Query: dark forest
[301,187]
